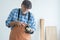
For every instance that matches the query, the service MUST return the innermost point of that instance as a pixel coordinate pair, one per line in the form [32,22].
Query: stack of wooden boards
[50,32]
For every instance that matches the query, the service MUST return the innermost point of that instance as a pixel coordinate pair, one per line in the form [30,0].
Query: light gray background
[46,9]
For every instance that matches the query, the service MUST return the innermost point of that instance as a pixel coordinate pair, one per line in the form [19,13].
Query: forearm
[12,24]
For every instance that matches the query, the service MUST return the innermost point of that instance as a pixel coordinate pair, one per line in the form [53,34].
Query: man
[23,16]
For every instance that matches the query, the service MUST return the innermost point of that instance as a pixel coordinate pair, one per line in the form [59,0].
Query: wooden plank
[51,33]
[41,29]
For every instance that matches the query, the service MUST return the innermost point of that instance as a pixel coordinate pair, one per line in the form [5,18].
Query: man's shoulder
[15,8]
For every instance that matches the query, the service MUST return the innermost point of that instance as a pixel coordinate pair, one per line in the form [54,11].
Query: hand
[12,23]
[23,24]
[15,23]
[18,23]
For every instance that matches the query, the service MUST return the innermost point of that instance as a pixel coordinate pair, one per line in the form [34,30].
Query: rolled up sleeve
[32,22]
[9,19]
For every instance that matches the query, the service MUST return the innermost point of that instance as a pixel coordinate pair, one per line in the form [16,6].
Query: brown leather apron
[18,33]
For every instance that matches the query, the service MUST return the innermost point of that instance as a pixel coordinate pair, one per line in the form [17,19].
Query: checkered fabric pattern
[22,18]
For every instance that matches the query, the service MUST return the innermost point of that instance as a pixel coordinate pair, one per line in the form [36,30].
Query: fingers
[17,24]
[23,24]
[20,24]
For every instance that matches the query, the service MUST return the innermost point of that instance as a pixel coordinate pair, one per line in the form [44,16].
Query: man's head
[26,5]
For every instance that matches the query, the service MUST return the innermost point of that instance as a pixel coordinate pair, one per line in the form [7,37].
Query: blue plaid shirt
[22,18]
